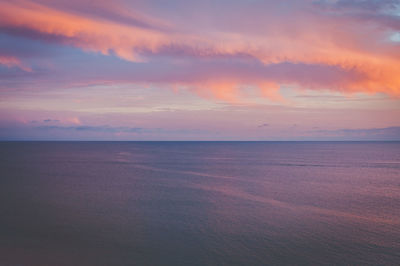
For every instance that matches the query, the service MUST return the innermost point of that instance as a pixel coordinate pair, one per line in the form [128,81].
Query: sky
[199,70]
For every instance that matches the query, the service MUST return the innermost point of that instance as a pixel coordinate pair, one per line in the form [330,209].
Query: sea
[199,203]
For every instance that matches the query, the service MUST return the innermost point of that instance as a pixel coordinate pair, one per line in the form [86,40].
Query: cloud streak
[83,128]
[388,133]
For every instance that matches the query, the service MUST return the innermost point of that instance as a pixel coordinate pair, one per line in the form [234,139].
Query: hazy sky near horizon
[200,70]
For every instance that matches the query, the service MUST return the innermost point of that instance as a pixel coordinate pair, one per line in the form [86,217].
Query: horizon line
[28,140]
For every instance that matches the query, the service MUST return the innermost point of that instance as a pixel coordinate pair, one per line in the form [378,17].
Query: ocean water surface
[200,203]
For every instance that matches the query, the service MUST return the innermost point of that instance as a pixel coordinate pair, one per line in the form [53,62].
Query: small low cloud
[263,125]
[51,120]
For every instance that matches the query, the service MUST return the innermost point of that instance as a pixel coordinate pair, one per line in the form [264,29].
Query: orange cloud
[11,61]
[325,42]
[73,120]
[90,34]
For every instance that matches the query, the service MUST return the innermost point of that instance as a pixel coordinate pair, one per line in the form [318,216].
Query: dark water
[204,203]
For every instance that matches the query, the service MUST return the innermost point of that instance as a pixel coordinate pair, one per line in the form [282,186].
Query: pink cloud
[359,59]
[11,61]
[73,120]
